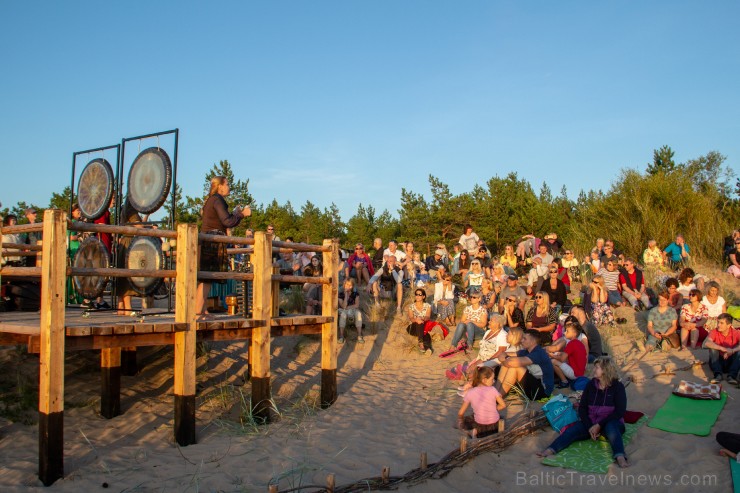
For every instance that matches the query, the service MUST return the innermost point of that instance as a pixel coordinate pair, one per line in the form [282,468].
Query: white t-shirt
[686,289]
[398,254]
[470,242]
[570,263]
[440,293]
[489,347]
[713,309]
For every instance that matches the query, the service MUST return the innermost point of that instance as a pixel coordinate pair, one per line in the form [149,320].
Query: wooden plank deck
[101,330]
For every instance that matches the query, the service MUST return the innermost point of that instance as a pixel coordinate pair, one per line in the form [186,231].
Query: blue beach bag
[560,412]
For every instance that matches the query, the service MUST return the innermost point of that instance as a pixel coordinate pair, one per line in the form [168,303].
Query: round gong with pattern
[149,180]
[145,253]
[95,188]
[92,254]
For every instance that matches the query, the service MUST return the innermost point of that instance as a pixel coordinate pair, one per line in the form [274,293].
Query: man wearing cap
[434,261]
[512,289]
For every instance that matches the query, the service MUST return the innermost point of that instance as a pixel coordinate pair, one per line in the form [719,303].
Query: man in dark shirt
[378,256]
[531,369]
[433,262]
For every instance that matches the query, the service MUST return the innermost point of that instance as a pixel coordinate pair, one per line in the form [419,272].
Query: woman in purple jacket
[601,412]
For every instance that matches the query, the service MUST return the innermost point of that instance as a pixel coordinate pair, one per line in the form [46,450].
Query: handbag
[560,412]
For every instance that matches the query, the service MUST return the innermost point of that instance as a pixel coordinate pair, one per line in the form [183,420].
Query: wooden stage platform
[102,330]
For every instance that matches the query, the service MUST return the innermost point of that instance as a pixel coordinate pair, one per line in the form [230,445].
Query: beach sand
[393,404]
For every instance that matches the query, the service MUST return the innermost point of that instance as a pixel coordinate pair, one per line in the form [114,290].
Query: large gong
[149,180]
[95,188]
[145,253]
[92,254]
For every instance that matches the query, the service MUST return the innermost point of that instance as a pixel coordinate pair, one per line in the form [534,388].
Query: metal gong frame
[117,147]
[116,206]
[173,187]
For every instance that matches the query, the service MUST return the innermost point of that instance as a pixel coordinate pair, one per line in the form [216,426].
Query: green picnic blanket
[735,470]
[590,455]
[688,416]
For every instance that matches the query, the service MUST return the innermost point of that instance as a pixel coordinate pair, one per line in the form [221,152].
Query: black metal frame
[173,188]
[116,206]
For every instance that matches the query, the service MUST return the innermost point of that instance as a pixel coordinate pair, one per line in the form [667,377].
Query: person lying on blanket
[601,412]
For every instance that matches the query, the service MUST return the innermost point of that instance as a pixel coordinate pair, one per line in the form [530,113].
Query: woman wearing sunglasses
[419,312]
[555,289]
[474,319]
[542,317]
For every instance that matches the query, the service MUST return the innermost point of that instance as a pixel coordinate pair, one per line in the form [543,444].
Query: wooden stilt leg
[329,305]
[259,355]
[110,372]
[51,355]
[187,273]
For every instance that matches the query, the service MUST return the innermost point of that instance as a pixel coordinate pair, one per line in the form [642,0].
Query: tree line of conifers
[699,198]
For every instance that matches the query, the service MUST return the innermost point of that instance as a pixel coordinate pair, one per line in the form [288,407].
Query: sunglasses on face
[538,297]
[419,294]
[359,249]
[510,300]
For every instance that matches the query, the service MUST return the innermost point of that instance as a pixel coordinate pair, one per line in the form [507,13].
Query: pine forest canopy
[698,198]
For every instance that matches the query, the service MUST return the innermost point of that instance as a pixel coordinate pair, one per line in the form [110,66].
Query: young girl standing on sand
[486,402]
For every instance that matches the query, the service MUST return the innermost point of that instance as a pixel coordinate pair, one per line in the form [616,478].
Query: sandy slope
[393,404]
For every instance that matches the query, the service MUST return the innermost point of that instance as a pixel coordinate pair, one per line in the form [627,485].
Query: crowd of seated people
[528,284]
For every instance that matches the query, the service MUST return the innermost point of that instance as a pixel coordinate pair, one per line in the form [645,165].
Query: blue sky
[348,102]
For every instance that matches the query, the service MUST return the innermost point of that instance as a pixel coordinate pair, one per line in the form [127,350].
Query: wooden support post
[501,425]
[129,366]
[51,355]
[273,488]
[110,372]
[330,483]
[423,466]
[463,444]
[187,284]
[385,475]
[329,305]
[262,310]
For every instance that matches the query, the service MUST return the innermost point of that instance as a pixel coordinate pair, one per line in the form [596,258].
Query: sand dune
[393,404]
